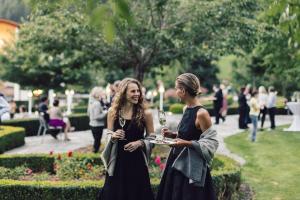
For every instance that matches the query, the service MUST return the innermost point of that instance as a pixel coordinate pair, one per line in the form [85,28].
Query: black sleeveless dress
[131,177]
[174,185]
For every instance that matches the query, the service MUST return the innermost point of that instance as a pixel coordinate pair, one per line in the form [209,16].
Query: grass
[273,163]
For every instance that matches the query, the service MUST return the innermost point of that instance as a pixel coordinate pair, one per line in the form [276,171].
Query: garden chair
[44,127]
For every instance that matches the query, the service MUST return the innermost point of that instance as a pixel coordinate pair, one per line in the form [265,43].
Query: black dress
[174,185]
[131,177]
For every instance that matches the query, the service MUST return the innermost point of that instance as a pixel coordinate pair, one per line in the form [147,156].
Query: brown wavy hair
[120,100]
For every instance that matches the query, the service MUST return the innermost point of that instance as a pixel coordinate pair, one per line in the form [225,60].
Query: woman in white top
[262,100]
[254,112]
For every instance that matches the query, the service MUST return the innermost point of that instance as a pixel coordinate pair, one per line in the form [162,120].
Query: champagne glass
[162,119]
[122,122]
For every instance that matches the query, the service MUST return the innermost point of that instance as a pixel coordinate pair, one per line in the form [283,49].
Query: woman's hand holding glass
[118,135]
[167,133]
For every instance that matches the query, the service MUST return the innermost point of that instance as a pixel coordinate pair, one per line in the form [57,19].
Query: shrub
[70,168]
[11,137]
[15,173]
[226,176]
[176,108]
[80,110]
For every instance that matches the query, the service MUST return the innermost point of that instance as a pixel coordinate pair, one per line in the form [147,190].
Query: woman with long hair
[126,153]
[187,176]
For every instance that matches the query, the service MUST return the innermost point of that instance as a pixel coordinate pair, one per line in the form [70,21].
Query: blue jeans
[254,119]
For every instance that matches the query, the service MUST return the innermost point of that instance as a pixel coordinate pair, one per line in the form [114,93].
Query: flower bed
[80,176]
[11,137]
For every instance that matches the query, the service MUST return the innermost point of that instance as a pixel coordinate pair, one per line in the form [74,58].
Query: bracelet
[142,143]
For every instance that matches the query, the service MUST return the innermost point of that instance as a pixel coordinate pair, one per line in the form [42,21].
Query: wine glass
[122,122]
[162,119]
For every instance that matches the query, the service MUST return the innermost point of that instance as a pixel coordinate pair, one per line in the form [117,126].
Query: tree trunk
[139,72]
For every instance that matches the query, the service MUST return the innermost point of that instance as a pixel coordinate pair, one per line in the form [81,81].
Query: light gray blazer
[193,162]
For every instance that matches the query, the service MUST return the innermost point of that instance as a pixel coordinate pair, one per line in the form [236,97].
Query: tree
[53,48]
[13,10]
[167,30]
[278,48]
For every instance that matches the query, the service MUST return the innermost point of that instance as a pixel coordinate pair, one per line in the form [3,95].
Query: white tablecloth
[295,108]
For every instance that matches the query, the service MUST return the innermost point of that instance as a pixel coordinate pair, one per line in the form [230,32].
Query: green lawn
[273,163]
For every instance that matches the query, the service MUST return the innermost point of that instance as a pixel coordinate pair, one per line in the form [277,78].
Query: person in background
[114,89]
[4,108]
[13,108]
[43,108]
[262,100]
[224,108]
[97,115]
[271,105]
[57,119]
[254,112]
[242,109]
[22,112]
[247,93]
[218,103]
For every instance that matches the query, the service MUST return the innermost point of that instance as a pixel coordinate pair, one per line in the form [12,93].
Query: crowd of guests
[254,106]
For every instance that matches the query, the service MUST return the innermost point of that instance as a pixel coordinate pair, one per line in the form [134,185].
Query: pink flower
[157,160]
[70,153]
[28,171]
[51,153]
[162,166]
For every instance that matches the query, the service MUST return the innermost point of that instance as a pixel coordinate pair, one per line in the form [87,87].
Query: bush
[226,177]
[80,110]
[176,108]
[11,137]
[15,173]
[41,162]
[31,125]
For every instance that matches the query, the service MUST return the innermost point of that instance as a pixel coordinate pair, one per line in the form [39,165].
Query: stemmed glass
[122,123]
[162,119]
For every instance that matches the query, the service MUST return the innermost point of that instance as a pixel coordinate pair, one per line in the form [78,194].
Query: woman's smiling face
[133,93]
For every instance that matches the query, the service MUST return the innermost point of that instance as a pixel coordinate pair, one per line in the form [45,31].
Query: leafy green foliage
[11,137]
[52,49]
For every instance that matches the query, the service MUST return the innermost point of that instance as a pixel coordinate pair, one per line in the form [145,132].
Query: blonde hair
[262,89]
[120,100]
[96,92]
[190,83]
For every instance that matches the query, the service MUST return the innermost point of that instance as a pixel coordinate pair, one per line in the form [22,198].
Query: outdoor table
[295,108]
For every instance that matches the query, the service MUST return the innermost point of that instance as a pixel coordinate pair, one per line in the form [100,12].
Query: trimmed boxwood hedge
[177,108]
[31,126]
[11,137]
[226,176]
[39,162]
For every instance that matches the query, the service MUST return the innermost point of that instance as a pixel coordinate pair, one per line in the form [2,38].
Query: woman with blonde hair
[187,175]
[262,101]
[97,116]
[126,154]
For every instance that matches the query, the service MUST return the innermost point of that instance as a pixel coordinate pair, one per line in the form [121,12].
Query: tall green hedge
[11,137]
[31,126]
[226,176]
